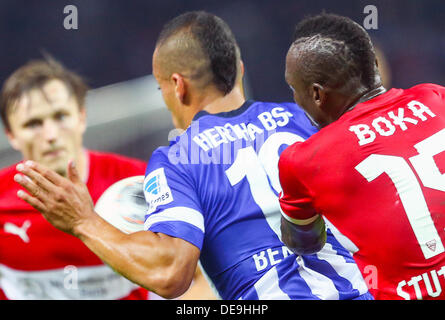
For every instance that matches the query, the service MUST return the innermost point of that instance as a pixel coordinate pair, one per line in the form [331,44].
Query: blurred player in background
[375,170]
[43,113]
[213,194]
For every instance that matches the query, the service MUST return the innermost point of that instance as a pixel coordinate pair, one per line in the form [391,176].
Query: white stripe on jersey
[320,285]
[183,214]
[346,270]
[267,287]
[298,221]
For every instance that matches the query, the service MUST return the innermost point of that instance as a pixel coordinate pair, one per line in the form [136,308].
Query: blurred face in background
[47,126]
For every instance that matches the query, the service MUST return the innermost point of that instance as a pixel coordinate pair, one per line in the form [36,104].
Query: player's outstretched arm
[157,262]
[304,239]
[302,228]
[160,263]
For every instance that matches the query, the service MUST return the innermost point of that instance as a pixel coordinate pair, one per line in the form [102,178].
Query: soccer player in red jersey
[42,109]
[375,170]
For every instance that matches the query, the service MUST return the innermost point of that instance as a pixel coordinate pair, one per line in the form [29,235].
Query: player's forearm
[304,239]
[157,262]
[145,258]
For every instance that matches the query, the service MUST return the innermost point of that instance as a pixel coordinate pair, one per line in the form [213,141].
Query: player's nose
[50,131]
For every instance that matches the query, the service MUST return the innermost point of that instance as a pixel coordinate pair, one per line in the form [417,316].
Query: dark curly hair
[340,49]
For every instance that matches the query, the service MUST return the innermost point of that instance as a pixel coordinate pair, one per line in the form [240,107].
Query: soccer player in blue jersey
[213,193]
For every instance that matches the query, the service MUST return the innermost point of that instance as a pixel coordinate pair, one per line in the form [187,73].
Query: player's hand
[65,203]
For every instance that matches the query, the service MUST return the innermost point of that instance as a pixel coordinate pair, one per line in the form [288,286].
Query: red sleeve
[295,199]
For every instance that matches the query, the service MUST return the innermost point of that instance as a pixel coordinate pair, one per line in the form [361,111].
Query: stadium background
[113,46]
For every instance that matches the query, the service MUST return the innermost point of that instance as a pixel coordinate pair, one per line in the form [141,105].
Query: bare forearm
[158,262]
[304,239]
[146,258]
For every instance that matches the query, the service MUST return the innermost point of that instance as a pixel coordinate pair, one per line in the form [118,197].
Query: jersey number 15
[409,189]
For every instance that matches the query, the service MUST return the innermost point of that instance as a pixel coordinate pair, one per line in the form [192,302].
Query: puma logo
[21,232]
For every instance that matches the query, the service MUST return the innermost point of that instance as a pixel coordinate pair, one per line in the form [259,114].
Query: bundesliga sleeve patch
[156,190]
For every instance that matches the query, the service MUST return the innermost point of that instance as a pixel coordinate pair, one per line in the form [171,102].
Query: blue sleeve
[173,206]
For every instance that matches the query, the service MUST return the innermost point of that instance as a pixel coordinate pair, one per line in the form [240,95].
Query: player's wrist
[83,228]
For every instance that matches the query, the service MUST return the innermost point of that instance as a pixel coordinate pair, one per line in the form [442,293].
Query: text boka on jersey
[387,126]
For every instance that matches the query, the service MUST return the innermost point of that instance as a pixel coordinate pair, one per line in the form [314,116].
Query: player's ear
[240,77]
[83,119]
[318,94]
[180,87]
[241,64]
[12,140]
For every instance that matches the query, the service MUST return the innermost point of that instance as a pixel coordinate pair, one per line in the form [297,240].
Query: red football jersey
[37,261]
[377,175]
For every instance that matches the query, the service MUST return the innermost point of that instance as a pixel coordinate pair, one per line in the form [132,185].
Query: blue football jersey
[216,186]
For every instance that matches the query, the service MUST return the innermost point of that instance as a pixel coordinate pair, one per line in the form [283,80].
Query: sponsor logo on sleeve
[156,190]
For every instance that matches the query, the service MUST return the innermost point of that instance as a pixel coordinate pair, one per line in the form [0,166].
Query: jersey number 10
[409,189]
[261,171]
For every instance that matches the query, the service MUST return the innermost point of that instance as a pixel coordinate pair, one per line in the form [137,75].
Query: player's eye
[34,123]
[60,116]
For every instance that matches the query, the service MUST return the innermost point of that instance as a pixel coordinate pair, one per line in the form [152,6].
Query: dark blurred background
[116,38]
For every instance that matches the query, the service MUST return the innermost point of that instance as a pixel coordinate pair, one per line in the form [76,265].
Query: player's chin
[58,165]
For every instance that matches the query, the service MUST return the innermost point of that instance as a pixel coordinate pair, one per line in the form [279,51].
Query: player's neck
[368,95]
[340,103]
[231,101]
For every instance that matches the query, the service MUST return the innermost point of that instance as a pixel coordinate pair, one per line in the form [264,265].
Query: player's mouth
[53,153]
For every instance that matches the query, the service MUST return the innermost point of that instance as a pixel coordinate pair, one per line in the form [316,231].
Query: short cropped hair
[35,74]
[215,39]
[340,47]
